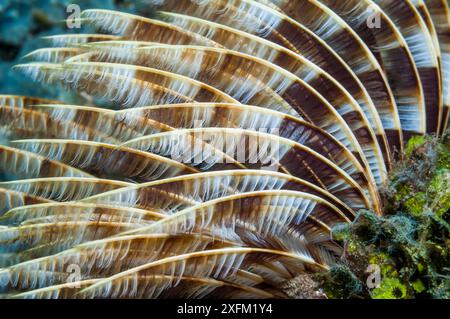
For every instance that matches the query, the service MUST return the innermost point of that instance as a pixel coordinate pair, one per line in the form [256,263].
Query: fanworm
[222,142]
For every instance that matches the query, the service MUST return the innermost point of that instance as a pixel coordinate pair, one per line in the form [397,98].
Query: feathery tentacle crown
[222,141]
